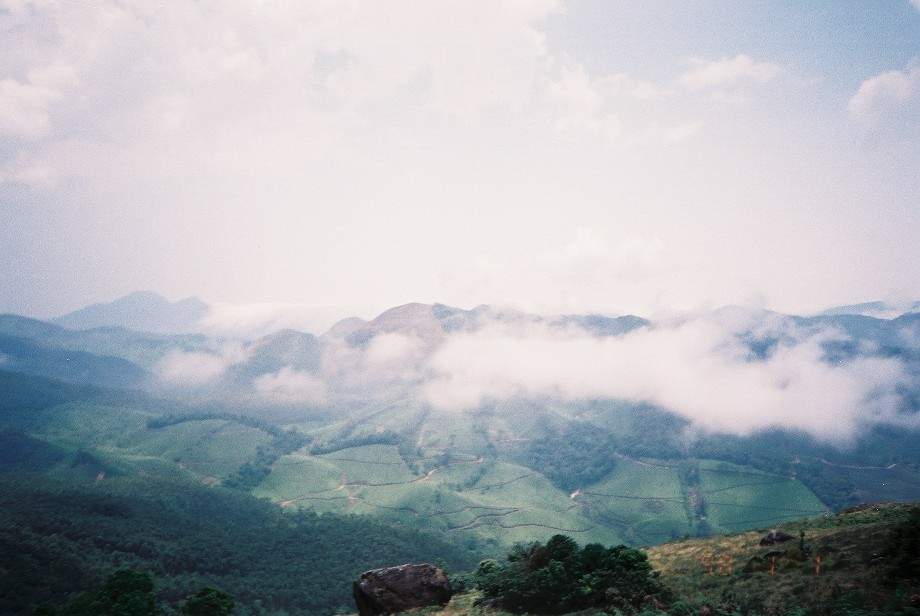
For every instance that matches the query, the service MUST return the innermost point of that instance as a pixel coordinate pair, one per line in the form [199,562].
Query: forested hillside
[59,537]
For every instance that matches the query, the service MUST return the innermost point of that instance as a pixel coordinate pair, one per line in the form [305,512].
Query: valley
[295,429]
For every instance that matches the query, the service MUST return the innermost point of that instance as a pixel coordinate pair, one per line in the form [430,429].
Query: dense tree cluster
[268,427]
[58,540]
[131,593]
[573,457]
[387,437]
[561,577]
[251,473]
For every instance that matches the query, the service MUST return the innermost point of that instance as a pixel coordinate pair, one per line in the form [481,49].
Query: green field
[455,480]
[456,473]
[496,501]
[644,499]
[739,497]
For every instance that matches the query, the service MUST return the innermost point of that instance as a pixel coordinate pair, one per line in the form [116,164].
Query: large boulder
[397,589]
[776,536]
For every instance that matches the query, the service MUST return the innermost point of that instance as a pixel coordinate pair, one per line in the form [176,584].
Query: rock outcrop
[774,537]
[396,589]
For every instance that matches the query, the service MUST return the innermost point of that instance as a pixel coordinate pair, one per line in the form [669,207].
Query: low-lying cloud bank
[197,368]
[700,369]
[731,370]
[262,318]
[289,386]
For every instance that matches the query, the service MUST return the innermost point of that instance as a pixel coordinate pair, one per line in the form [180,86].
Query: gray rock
[775,536]
[396,589]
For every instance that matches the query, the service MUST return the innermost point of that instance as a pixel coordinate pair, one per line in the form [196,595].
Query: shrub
[561,577]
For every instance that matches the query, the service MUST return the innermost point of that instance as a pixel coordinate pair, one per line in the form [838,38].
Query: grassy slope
[639,502]
[849,544]
[474,489]
[740,497]
[851,547]
[644,500]
[498,501]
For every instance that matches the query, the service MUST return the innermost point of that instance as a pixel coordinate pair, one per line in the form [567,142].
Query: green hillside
[861,562]
[59,537]
[499,478]
[463,485]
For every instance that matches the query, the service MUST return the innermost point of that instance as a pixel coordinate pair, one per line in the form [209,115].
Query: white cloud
[616,107]
[182,368]
[590,269]
[916,4]
[25,105]
[696,368]
[589,252]
[393,347]
[581,104]
[28,174]
[623,84]
[289,386]
[727,72]
[254,319]
[884,93]
[198,368]
[300,78]
[24,109]
[277,145]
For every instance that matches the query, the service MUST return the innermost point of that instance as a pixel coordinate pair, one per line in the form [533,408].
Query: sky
[554,156]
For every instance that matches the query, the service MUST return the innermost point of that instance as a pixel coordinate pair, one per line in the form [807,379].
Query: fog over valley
[481,308]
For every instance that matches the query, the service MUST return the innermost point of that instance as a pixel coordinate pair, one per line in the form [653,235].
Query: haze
[553,156]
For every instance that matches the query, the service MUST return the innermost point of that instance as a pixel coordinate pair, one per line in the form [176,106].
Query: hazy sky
[621,157]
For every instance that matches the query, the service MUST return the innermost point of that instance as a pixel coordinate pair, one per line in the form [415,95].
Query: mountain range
[147,311]
[484,426]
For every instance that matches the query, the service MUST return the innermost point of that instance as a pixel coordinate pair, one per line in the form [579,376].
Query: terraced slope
[453,476]
[646,500]
[498,501]
[641,502]
[736,497]
[515,473]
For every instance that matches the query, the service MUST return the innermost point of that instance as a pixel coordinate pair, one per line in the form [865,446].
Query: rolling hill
[345,430]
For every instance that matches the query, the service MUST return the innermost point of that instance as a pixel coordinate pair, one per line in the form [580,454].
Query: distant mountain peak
[146,311]
[878,309]
[345,327]
[142,295]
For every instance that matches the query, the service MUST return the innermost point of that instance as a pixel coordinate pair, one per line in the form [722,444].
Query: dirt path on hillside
[501,484]
[475,523]
[532,525]
[857,468]
[623,456]
[677,499]
[400,463]
[759,508]
[747,485]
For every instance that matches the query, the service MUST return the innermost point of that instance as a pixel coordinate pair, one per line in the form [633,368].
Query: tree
[561,548]
[561,577]
[125,593]
[209,602]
